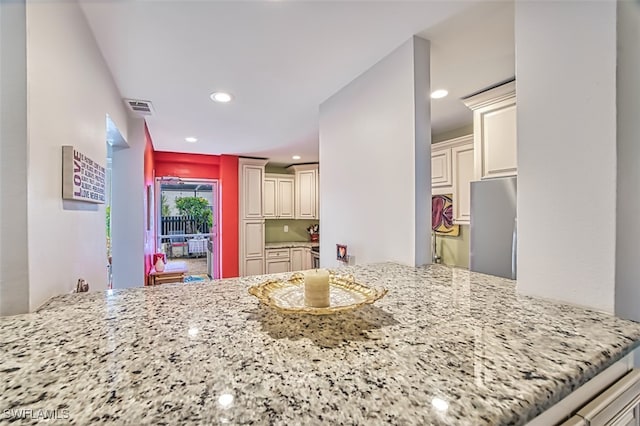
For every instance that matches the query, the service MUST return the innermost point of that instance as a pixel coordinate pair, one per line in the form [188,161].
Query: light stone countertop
[290,244]
[445,347]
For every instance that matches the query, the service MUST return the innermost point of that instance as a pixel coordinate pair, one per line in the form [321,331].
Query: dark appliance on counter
[315,257]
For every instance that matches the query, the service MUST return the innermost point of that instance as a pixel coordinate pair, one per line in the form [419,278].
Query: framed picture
[150,208]
[442,215]
[341,252]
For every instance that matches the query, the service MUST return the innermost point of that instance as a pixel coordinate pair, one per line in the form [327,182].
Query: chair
[179,242]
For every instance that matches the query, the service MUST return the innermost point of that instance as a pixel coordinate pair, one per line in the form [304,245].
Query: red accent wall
[149,161]
[225,169]
[229,229]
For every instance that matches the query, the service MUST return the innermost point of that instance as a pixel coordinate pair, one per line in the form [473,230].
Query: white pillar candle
[316,288]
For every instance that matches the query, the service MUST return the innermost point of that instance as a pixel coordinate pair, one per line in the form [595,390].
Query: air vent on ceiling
[140,107]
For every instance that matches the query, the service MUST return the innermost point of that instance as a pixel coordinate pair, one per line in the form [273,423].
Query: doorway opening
[114,141]
[109,172]
[188,212]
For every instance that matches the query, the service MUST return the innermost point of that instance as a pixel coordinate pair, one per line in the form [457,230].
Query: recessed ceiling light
[191,139]
[440,93]
[221,97]
[296,157]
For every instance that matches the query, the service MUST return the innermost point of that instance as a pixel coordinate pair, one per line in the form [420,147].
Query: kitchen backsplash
[274,230]
[454,250]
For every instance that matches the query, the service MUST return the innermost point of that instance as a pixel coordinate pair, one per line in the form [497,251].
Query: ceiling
[281,59]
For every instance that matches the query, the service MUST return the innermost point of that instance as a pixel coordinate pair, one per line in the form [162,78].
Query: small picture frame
[341,252]
[150,208]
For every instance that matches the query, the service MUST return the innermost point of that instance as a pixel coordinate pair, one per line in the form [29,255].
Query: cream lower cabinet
[287,260]
[276,266]
[277,260]
[252,247]
[452,165]
[612,398]
[297,259]
[619,405]
[253,266]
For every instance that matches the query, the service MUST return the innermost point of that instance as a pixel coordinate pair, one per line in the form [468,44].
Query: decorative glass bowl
[287,297]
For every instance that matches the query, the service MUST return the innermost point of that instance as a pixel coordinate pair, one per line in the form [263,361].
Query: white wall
[628,203]
[70,91]
[128,231]
[14,271]
[375,185]
[566,90]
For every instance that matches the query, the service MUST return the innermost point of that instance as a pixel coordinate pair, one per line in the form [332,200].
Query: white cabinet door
[279,196]
[463,175]
[306,194]
[253,266]
[306,191]
[277,253]
[252,248]
[494,132]
[619,405]
[297,259]
[440,168]
[286,198]
[277,266]
[498,140]
[307,263]
[270,198]
[253,241]
[252,191]
[251,222]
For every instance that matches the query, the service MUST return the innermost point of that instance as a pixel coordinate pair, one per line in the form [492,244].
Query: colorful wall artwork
[442,215]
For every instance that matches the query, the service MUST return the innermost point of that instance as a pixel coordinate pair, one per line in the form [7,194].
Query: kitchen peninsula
[445,346]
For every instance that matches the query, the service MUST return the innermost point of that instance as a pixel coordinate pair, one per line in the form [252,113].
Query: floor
[195,265]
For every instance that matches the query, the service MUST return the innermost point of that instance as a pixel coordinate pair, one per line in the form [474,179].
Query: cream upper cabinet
[286,196]
[278,196]
[457,155]
[306,191]
[270,195]
[463,167]
[251,176]
[494,129]
[440,167]
[251,219]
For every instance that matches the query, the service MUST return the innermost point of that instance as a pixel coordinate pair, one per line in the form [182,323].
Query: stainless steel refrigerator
[493,238]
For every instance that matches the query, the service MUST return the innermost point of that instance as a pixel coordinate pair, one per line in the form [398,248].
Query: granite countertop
[289,244]
[445,346]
